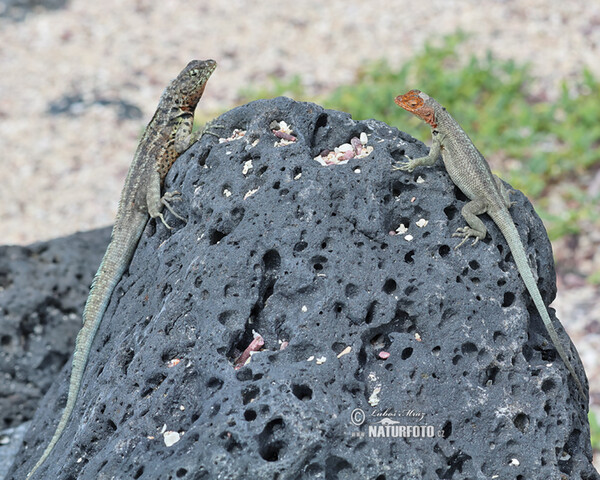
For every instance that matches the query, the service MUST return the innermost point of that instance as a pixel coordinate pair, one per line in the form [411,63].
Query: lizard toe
[466,233]
[162,219]
[172,196]
[403,166]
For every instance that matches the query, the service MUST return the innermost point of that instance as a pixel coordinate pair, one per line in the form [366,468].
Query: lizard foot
[173,196]
[408,166]
[162,219]
[165,200]
[467,232]
[207,129]
[507,201]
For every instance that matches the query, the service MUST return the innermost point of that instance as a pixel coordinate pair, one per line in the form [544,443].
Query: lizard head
[190,83]
[415,103]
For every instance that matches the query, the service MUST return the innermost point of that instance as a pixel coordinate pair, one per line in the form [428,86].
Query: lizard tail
[114,263]
[509,230]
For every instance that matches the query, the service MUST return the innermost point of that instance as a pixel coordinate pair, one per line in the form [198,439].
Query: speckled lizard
[168,134]
[470,172]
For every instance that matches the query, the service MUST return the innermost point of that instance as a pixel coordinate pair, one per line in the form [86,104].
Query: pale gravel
[62,174]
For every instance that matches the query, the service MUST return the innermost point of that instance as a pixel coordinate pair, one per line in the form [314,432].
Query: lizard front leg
[476,227]
[207,130]
[427,161]
[185,138]
[155,202]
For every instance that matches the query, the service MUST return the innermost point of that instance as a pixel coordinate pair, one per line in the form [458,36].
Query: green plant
[291,87]
[594,430]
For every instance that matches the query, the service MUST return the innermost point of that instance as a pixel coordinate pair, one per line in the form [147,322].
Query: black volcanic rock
[278,245]
[43,288]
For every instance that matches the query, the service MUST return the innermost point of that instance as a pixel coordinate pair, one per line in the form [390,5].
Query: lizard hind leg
[504,192]
[476,227]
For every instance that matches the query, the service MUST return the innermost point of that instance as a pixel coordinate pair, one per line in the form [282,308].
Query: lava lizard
[470,172]
[168,134]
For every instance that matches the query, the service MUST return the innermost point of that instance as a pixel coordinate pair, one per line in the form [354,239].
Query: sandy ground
[108,62]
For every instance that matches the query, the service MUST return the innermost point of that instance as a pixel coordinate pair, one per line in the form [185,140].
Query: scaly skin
[470,172]
[168,134]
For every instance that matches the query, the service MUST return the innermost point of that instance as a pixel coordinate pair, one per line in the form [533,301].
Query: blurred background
[80,80]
